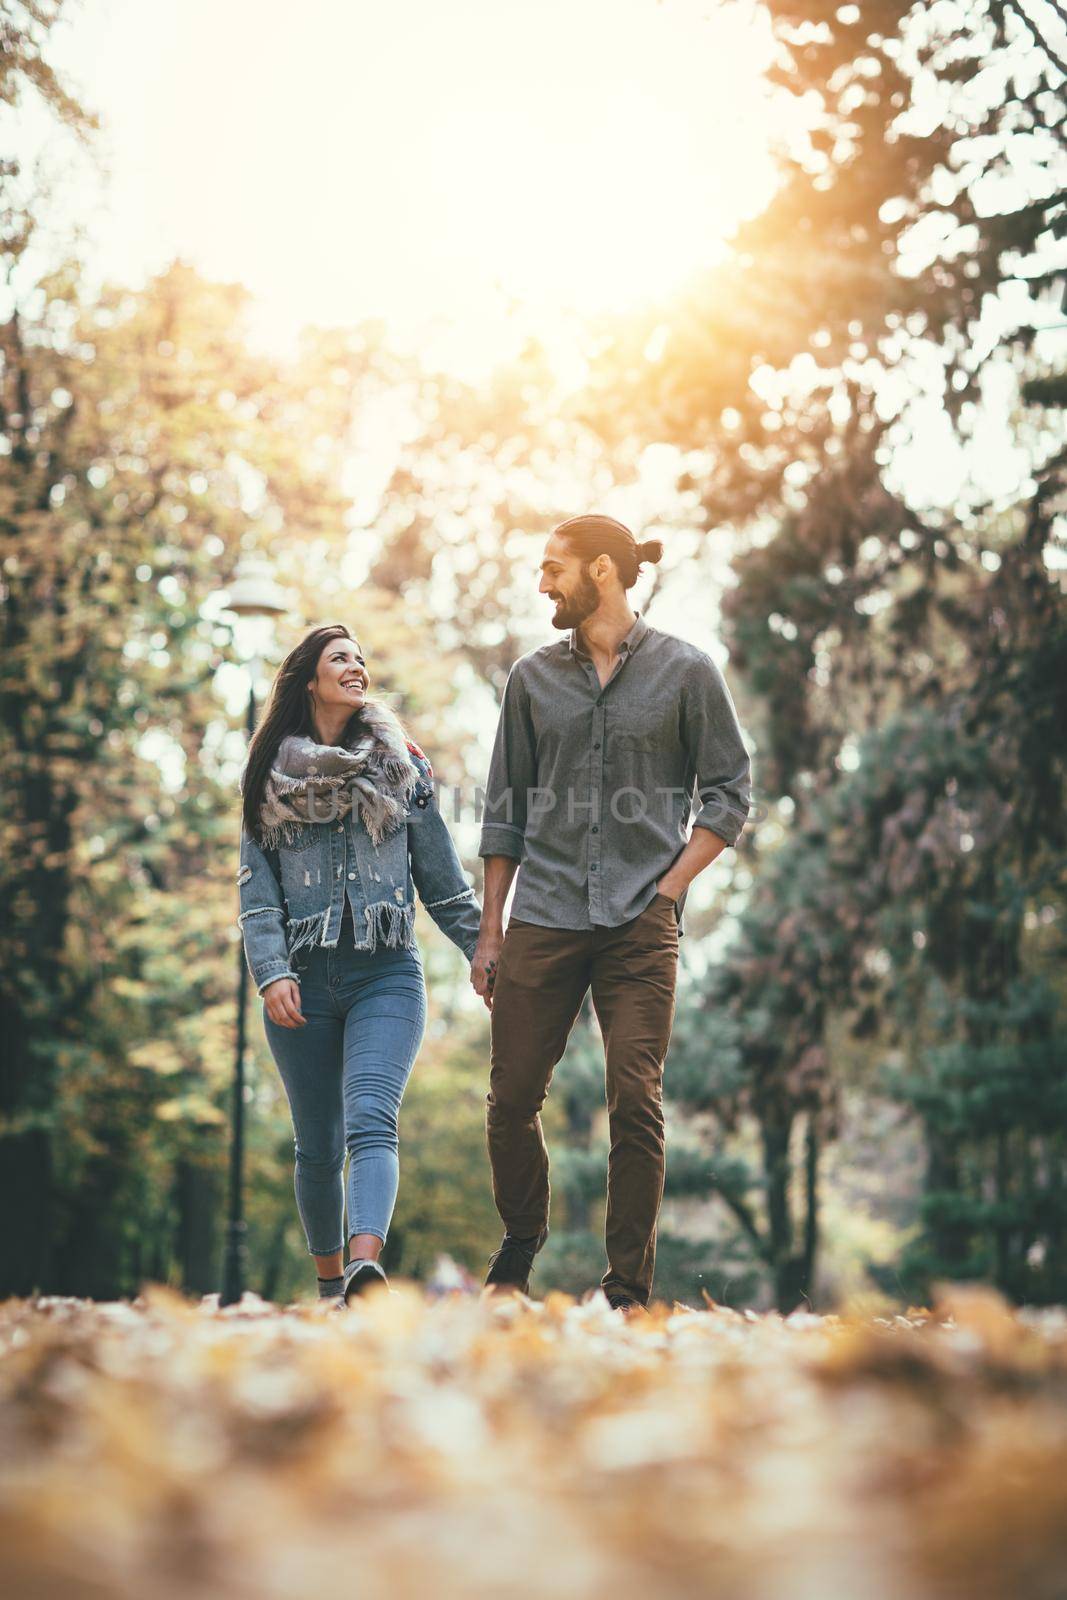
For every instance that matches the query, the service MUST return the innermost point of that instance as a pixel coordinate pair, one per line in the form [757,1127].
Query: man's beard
[572,612]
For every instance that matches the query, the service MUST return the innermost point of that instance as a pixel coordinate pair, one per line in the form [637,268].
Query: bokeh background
[375,294]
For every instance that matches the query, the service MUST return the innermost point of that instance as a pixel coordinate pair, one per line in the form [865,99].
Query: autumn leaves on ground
[419,1447]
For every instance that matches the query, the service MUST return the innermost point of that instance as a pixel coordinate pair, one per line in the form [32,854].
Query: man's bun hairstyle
[595,535]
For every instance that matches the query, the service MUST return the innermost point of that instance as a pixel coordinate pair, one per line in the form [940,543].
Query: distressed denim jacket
[294,895]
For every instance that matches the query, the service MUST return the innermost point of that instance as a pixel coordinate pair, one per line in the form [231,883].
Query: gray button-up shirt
[592,789]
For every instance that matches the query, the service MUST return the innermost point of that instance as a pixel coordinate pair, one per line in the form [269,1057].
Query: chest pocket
[633,744]
[301,870]
[643,730]
[301,836]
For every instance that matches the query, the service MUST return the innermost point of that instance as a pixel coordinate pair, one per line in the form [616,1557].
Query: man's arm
[717,752]
[499,871]
[701,849]
[713,736]
[512,774]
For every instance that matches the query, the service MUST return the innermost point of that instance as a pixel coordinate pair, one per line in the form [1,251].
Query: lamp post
[256,600]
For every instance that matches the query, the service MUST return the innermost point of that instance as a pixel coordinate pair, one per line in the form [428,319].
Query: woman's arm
[436,869]
[262,916]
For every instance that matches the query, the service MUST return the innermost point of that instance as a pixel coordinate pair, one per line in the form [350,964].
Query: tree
[146,447]
[929,184]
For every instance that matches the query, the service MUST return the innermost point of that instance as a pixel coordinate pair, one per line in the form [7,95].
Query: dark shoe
[361,1275]
[511,1265]
[624,1303]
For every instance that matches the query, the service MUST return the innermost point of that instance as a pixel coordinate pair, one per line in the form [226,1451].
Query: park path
[438,1448]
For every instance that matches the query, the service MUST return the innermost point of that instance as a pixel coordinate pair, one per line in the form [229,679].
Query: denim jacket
[293,895]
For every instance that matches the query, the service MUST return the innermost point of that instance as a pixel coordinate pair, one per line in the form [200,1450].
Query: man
[605,742]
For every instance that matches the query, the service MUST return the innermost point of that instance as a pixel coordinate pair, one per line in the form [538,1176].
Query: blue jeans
[344,1073]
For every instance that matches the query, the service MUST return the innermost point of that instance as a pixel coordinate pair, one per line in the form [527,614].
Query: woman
[340,825]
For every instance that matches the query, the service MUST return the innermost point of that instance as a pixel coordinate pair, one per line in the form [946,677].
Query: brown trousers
[542,979]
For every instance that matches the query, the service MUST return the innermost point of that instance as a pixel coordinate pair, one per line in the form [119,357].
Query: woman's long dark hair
[288,710]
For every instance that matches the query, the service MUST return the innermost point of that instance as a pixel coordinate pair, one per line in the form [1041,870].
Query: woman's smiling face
[342,679]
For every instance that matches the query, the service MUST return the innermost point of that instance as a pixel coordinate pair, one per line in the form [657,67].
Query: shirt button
[592,866]
[351,874]
[594,828]
[341,828]
[597,745]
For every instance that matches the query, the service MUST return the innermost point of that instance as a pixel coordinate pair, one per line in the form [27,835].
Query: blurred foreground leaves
[413,1447]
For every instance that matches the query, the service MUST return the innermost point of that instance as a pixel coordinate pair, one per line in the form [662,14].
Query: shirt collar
[626,647]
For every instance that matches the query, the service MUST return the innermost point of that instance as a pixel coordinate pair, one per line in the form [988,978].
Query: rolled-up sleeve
[512,774]
[723,783]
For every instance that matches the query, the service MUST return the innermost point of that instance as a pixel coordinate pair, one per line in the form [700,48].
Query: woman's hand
[282,1000]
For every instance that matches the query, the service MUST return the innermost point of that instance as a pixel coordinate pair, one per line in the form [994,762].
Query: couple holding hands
[608,741]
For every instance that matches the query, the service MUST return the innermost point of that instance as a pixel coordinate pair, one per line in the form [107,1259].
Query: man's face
[565,580]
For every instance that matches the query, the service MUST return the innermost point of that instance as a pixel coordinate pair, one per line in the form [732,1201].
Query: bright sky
[417,159]
[492,164]
[465,170]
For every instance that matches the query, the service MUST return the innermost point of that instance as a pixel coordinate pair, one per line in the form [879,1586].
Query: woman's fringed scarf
[311,782]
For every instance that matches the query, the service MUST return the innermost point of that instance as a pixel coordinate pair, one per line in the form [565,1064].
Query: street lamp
[255,600]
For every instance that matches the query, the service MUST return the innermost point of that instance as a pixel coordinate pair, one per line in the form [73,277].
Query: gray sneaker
[361,1275]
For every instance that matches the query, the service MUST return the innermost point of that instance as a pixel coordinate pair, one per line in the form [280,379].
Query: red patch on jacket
[415,751]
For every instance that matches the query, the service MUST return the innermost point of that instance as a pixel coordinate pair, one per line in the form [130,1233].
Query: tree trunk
[1003,1230]
[948,1236]
[198,1210]
[25,1159]
[275,1258]
[787,1268]
[811,1198]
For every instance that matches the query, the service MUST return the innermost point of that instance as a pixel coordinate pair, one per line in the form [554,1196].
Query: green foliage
[904,665]
[145,444]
